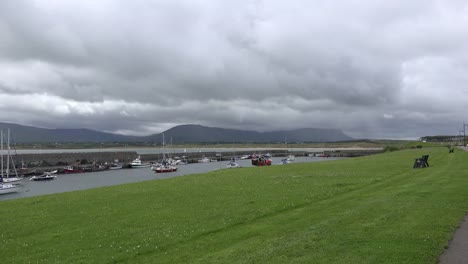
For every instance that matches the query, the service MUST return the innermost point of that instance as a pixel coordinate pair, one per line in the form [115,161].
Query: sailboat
[5,187]
[165,166]
[7,178]
[290,157]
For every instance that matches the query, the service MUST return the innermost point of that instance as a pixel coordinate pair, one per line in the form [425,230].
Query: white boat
[13,180]
[165,168]
[167,165]
[5,174]
[115,166]
[290,157]
[284,161]
[183,161]
[51,172]
[136,163]
[43,177]
[204,160]
[8,188]
[232,164]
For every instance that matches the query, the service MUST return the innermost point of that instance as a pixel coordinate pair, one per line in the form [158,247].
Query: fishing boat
[165,168]
[136,163]
[260,161]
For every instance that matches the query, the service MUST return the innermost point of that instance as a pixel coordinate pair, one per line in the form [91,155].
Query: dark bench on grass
[421,162]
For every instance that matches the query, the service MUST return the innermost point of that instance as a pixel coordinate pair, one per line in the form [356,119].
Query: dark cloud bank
[378,69]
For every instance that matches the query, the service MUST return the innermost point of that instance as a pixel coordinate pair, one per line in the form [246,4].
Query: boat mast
[8,155]
[1,140]
[164,148]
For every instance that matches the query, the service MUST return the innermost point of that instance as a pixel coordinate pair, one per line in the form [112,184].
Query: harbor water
[83,181]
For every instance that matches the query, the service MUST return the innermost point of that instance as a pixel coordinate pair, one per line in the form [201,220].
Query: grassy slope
[374,209]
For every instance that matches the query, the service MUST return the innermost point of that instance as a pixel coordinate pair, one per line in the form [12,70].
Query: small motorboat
[232,164]
[43,177]
[115,166]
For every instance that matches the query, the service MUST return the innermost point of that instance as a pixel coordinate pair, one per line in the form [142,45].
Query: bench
[421,162]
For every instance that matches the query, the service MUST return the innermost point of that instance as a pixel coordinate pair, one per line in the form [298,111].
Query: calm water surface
[82,181]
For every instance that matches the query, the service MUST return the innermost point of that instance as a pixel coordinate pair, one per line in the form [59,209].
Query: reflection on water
[82,181]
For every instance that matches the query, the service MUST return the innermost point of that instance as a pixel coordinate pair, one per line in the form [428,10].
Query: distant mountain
[202,134]
[179,134]
[28,134]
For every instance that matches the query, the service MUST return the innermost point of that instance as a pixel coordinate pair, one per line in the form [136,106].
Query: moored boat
[115,166]
[165,168]
[43,177]
[136,163]
[204,160]
[167,165]
[8,188]
[260,161]
[13,180]
[232,164]
[73,169]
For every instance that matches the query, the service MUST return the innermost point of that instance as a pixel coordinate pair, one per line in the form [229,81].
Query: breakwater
[124,157]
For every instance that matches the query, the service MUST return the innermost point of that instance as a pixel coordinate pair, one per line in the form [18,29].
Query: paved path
[457,251]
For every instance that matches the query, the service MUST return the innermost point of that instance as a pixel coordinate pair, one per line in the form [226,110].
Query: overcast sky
[374,69]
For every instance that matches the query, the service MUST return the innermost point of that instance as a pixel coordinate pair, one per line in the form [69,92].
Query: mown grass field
[373,209]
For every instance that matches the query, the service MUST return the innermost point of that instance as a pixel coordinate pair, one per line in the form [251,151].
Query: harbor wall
[82,158]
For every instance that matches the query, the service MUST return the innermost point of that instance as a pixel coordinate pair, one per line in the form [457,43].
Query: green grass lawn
[373,209]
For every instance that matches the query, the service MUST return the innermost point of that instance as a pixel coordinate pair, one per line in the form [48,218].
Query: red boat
[260,161]
[162,169]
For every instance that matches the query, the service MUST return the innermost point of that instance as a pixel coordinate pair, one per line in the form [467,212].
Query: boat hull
[163,170]
[136,166]
[8,188]
[43,178]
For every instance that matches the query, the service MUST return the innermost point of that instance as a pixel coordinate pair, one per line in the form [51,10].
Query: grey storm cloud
[371,68]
